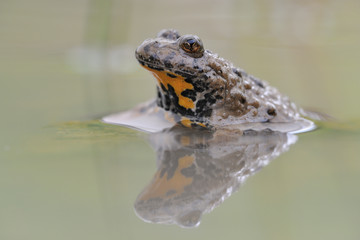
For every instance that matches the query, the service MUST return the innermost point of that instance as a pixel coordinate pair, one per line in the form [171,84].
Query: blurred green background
[64,63]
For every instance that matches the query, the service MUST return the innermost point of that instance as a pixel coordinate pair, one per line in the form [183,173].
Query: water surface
[65,175]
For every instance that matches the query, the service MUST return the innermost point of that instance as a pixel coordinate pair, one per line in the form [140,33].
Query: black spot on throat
[189,94]
[171,75]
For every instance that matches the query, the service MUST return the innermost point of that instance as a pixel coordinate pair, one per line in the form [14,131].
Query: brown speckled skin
[222,94]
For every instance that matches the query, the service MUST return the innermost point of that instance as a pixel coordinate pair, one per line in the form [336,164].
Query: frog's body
[197,88]
[203,89]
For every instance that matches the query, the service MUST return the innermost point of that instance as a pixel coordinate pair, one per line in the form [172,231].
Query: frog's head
[172,53]
[187,84]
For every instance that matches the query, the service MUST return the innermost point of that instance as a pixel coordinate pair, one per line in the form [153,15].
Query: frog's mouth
[150,62]
[155,64]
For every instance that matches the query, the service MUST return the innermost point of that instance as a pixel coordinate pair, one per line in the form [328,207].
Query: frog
[198,89]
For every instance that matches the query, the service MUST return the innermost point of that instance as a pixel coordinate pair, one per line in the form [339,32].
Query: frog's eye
[192,45]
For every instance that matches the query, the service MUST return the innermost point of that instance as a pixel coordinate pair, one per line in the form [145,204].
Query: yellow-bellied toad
[197,88]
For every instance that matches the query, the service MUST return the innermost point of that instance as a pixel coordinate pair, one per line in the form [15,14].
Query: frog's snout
[146,50]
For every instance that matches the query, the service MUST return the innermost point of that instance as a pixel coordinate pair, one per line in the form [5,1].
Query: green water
[64,64]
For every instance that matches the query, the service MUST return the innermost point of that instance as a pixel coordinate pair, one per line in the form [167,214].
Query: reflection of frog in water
[197,170]
[196,88]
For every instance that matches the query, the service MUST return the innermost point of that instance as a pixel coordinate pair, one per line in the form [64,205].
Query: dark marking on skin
[203,109]
[153,58]
[167,103]
[164,101]
[237,72]
[159,101]
[168,64]
[163,87]
[242,99]
[189,94]
[200,105]
[210,98]
[170,56]
[219,97]
[200,86]
[147,48]
[171,75]
[257,82]
[187,76]
[255,104]
[153,62]
[175,107]
[206,113]
[155,67]
[167,60]
[247,86]
[271,112]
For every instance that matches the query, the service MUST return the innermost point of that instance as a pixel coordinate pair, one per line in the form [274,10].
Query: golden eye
[192,45]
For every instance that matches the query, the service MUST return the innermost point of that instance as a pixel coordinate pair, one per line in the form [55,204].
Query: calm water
[64,64]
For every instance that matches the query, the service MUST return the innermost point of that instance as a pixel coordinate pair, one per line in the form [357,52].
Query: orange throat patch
[177,82]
